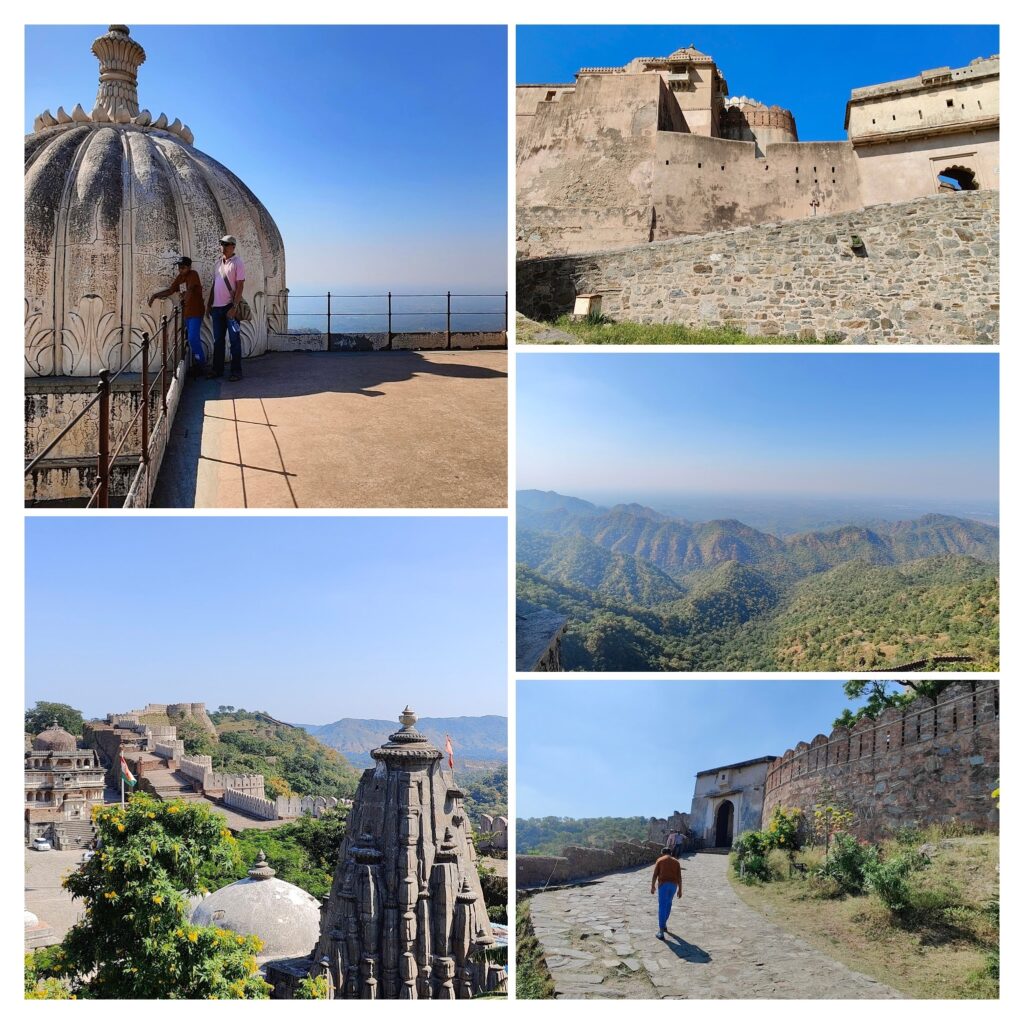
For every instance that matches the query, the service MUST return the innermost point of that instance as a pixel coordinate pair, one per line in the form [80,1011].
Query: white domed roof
[284,916]
[113,198]
[56,738]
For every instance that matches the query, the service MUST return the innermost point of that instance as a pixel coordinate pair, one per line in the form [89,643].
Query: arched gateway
[724,818]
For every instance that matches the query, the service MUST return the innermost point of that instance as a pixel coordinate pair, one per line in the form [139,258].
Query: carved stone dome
[113,198]
[55,738]
[284,916]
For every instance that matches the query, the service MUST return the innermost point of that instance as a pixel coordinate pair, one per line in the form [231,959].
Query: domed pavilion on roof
[113,197]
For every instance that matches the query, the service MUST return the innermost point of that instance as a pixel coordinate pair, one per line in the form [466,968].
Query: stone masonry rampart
[578,862]
[925,764]
[925,272]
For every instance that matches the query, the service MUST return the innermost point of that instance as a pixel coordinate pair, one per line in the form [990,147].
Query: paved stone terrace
[343,430]
[599,942]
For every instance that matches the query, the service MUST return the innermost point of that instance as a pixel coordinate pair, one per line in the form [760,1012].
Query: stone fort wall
[927,271]
[923,764]
[579,862]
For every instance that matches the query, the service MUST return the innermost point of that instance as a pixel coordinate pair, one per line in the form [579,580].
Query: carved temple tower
[406,917]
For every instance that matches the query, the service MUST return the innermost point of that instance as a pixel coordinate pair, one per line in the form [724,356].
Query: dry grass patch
[940,948]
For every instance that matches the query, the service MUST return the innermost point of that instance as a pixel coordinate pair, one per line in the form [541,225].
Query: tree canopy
[882,694]
[135,940]
[45,713]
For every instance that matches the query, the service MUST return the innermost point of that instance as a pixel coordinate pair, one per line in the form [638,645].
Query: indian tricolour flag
[126,776]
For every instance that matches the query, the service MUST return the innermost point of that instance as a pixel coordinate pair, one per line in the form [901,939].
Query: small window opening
[550,96]
[949,103]
[699,166]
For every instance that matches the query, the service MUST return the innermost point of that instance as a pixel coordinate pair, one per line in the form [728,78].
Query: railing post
[144,398]
[506,317]
[163,365]
[390,335]
[448,324]
[103,455]
[328,321]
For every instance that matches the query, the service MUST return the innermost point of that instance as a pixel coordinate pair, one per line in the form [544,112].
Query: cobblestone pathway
[599,943]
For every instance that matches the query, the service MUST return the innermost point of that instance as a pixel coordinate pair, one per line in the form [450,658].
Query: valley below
[646,591]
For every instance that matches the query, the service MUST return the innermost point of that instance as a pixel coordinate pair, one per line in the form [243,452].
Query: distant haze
[703,434]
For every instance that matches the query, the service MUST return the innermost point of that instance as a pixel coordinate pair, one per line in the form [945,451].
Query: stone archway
[957,178]
[724,818]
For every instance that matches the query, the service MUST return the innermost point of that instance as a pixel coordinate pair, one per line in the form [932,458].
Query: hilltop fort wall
[655,150]
[925,271]
[578,862]
[925,764]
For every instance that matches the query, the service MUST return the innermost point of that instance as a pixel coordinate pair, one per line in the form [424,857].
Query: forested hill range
[644,590]
[480,741]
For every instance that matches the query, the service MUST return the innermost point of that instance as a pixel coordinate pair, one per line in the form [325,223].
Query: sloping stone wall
[927,272]
[578,862]
[920,765]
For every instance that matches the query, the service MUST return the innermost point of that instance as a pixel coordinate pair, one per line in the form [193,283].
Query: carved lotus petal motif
[100,114]
[161,121]
[143,118]
[78,114]
[48,119]
[174,126]
[63,117]
[123,115]
[186,134]
[88,338]
[38,343]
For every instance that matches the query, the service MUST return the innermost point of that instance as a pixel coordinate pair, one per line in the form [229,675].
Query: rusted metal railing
[172,351]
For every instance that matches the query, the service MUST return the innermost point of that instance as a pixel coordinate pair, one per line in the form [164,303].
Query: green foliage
[135,940]
[533,979]
[849,863]
[302,852]
[313,988]
[289,758]
[881,694]
[549,836]
[753,851]
[196,739]
[645,592]
[888,879]
[45,713]
[599,330]
[495,889]
[486,792]
[40,981]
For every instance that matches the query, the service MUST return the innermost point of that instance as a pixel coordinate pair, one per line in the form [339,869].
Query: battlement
[926,763]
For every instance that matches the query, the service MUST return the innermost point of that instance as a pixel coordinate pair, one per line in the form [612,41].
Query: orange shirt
[193,304]
[666,869]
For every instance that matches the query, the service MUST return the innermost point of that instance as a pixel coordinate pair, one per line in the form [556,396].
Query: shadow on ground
[295,432]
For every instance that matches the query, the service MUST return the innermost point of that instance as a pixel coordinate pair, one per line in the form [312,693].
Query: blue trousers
[195,341]
[666,893]
[222,324]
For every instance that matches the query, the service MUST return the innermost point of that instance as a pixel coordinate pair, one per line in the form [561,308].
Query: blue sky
[380,151]
[310,618]
[899,425]
[809,69]
[588,748]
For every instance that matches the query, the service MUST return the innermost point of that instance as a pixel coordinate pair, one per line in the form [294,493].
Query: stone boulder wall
[579,862]
[927,271]
[928,763]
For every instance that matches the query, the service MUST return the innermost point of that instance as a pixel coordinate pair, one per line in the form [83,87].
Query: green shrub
[312,988]
[888,880]
[908,835]
[785,828]
[821,887]
[849,862]
[779,865]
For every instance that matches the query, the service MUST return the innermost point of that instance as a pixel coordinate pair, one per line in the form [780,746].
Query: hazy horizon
[911,430]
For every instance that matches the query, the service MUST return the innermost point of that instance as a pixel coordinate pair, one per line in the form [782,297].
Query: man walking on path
[228,282]
[191,308]
[668,879]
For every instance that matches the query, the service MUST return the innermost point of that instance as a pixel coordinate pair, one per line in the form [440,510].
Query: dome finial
[261,870]
[119,56]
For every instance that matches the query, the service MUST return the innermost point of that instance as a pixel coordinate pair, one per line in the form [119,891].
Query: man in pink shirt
[228,282]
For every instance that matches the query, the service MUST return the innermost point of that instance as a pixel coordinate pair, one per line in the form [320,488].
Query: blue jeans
[666,893]
[195,342]
[223,323]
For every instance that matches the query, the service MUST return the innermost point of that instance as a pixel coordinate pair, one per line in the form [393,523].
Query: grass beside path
[601,331]
[533,979]
[941,952]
